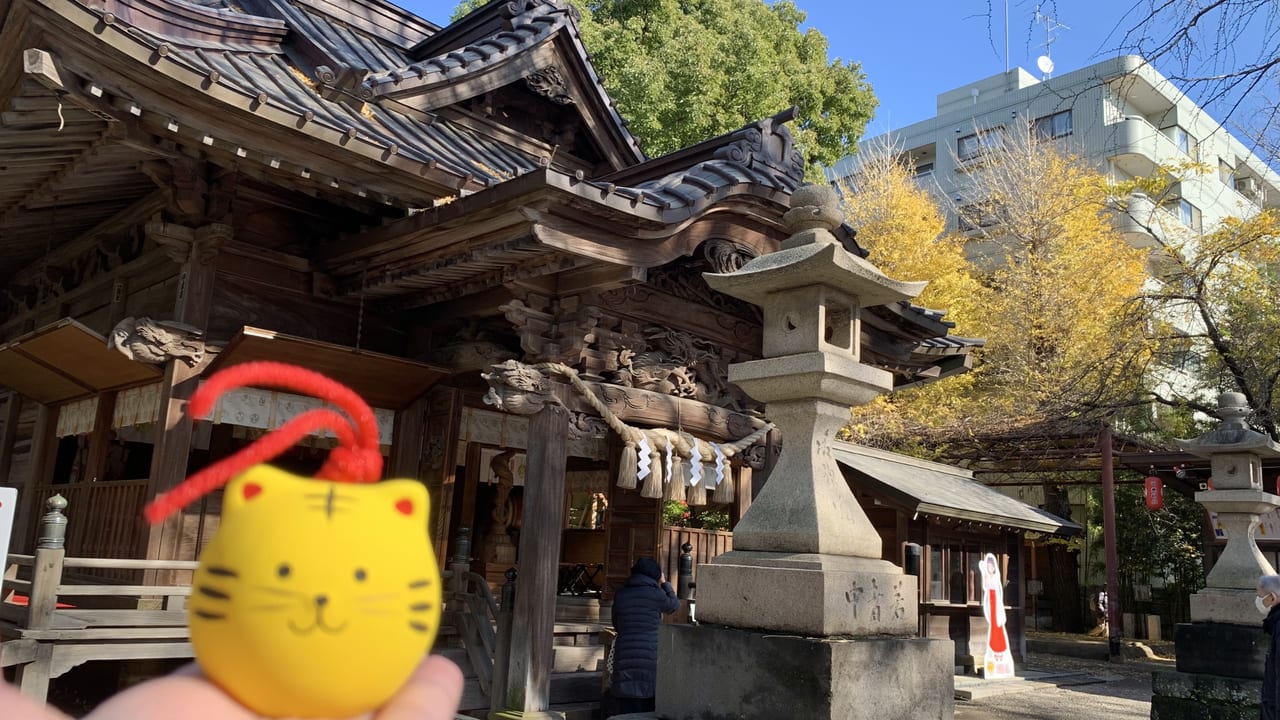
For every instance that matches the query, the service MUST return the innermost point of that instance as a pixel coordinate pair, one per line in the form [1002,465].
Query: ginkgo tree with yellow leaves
[1038,271]
[1214,302]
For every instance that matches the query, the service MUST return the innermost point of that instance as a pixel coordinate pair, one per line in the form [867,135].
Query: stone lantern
[1221,652]
[803,618]
[1235,453]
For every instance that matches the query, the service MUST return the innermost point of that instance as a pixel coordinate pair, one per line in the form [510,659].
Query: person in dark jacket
[1268,603]
[637,612]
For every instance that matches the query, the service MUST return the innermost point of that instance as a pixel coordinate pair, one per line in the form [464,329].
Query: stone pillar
[1222,650]
[803,618]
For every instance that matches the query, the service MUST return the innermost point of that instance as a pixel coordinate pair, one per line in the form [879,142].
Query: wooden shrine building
[954,521]
[189,185]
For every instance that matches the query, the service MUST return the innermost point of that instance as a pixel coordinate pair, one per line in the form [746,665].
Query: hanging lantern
[1153,492]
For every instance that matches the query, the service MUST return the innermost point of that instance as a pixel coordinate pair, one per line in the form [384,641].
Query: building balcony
[1137,147]
[1141,216]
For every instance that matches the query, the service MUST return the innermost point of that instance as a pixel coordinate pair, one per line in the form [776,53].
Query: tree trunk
[1066,589]
[1064,567]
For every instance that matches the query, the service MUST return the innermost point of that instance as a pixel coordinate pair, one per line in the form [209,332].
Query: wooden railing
[471,608]
[44,640]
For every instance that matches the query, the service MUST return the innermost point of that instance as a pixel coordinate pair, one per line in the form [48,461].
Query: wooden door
[633,529]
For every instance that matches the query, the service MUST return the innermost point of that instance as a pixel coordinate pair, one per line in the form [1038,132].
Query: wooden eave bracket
[40,66]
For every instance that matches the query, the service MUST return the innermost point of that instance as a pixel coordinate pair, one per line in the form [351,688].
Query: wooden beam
[169,462]
[8,435]
[40,66]
[439,463]
[101,438]
[117,224]
[528,688]
[541,267]
[600,278]
[44,446]
[49,188]
[173,445]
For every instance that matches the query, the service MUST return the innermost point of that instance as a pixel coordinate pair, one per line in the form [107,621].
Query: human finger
[433,692]
[20,707]
[185,693]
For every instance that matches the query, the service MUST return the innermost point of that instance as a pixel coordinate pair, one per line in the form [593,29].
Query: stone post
[1221,652]
[803,618]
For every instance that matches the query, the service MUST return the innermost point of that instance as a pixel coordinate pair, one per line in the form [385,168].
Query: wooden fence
[706,545]
[105,521]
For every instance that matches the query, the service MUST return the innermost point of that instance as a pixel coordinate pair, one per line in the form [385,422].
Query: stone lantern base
[808,594]
[1219,673]
[711,672]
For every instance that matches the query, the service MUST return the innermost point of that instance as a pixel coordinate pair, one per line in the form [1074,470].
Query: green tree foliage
[683,71]
[1164,544]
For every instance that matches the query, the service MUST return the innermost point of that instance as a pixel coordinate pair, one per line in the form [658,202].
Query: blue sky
[912,50]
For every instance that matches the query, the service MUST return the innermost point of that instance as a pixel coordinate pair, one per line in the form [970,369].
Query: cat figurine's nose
[321,600]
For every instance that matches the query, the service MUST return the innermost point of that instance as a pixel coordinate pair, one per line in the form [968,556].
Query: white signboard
[8,508]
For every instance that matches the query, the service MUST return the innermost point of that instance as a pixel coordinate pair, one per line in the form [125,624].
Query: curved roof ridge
[489,38]
[524,31]
[186,23]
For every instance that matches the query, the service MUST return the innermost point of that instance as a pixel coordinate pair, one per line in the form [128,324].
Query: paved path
[1124,694]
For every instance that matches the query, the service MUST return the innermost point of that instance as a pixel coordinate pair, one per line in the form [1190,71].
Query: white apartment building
[1119,113]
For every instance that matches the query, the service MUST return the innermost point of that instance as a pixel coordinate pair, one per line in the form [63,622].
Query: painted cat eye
[284,570]
[360,575]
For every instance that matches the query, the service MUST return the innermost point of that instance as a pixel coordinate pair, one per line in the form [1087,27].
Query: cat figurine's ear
[257,485]
[408,498]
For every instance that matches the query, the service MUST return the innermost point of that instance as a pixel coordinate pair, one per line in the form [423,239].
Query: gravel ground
[1125,694]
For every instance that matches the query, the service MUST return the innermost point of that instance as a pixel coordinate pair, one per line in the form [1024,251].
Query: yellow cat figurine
[315,598]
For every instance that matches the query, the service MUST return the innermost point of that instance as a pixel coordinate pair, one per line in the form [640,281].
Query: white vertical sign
[8,508]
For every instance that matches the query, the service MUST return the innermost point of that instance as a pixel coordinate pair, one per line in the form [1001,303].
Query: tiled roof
[276,78]
[526,31]
[757,158]
[512,29]
[942,490]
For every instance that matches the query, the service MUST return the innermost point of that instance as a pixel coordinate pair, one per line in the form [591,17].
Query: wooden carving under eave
[522,389]
[519,389]
[676,362]
[155,342]
[551,331]
[471,347]
[184,244]
[549,83]
[184,185]
[37,285]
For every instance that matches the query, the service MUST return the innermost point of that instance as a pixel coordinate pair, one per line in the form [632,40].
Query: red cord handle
[356,459]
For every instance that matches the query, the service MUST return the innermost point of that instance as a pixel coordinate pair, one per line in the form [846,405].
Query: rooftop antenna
[1051,27]
[1006,36]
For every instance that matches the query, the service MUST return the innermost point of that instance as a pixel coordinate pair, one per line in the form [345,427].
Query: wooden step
[566,688]
[588,658]
[568,658]
[571,608]
[577,633]
[577,711]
